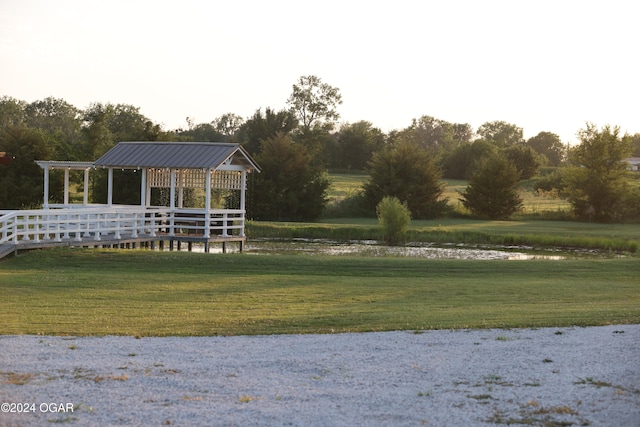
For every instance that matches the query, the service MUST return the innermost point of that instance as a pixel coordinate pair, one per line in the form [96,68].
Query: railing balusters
[118,222]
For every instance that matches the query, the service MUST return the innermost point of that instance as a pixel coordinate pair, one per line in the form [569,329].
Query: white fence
[95,222]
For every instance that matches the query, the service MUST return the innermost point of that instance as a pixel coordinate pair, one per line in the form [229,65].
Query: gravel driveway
[552,376]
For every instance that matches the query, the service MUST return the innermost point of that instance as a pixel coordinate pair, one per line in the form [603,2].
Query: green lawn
[345,184]
[101,292]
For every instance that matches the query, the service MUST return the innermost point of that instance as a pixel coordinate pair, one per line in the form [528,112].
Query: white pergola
[49,165]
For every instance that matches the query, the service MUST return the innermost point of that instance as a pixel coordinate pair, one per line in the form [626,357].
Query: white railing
[95,222]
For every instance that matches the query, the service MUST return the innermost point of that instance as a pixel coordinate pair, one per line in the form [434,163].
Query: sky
[542,65]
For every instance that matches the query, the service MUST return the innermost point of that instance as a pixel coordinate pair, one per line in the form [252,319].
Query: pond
[375,249]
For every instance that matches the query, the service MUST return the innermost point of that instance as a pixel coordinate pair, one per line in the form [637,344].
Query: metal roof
[180,155]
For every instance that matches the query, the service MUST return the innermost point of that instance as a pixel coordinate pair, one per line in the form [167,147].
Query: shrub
[394,216]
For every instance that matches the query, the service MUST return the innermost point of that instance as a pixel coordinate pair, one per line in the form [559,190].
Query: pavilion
[171,169]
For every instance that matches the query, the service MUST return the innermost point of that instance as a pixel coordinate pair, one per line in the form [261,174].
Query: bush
[394,216]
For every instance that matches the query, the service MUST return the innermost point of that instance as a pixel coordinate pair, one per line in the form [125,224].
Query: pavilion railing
[96,222]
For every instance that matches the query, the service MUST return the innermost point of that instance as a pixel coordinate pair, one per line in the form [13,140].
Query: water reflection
[372,248]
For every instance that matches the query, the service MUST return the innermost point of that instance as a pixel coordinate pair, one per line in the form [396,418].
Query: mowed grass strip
[109,292]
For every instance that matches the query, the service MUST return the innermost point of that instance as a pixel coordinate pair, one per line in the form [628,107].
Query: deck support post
[172,203]
[45,203]
[85,189]
[207,205]
[243,188]
[66,186]
[143,188]
[110,188]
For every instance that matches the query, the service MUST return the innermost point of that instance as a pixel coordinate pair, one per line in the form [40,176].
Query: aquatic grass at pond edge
[109,292]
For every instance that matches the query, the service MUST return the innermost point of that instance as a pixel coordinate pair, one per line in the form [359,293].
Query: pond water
[374,249]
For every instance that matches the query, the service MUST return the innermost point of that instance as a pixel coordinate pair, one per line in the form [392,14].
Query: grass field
[103,292]
[143,293]
[347,184]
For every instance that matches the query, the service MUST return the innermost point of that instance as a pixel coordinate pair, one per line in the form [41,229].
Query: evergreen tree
[408,172]
[491,190]
[289,187]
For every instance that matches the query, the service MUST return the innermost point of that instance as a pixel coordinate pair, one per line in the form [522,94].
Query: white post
[85,198]
[110,188]
[66,186]
[172,193]
[172,202]
[207,205]
[243,188]
[46,188]
[143,189]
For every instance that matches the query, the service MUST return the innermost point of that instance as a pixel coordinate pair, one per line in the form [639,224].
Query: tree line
[295,147]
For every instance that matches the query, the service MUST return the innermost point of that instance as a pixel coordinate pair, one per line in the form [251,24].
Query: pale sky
[541,65]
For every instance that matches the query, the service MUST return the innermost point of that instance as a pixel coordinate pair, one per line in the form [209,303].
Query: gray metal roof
[181,155]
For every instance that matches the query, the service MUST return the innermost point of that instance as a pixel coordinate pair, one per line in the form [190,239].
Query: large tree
[60,121]
[11,112]
[491,192]
[289,187]
[410,173]
[500,133]
[355,143]
[549,145]
[436,135]
[460,162]
[262,126]
[526,160]
[635,145]
[228,125]
[314,103]
[104,126]
[21,180]
[202,132]
[597,183]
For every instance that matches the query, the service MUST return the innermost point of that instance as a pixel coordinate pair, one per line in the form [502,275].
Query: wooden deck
[119,228]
